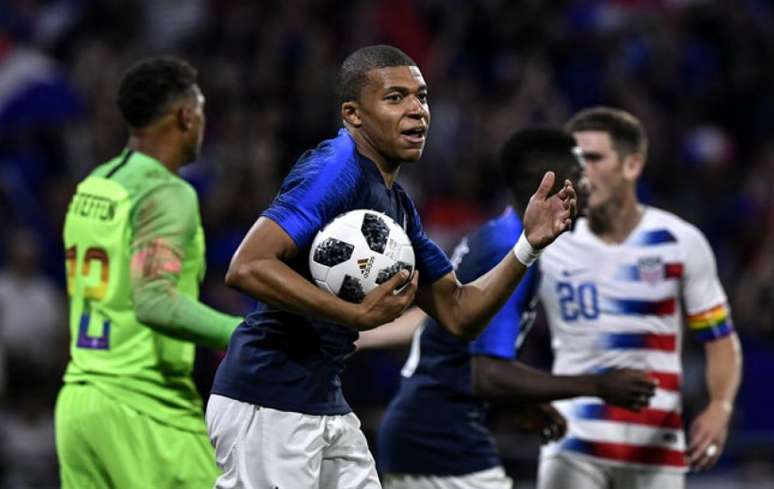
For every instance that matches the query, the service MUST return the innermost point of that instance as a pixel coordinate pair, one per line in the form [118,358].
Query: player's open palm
[547,216]
[385,303]
[627,388]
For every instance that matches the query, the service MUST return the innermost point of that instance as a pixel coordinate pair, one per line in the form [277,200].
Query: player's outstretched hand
[384,303]
[708,436]
[627,388]
[546,217]
[542,419]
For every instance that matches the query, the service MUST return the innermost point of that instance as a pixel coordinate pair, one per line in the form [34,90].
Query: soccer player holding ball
[277,416]
[614,290]
[129,414]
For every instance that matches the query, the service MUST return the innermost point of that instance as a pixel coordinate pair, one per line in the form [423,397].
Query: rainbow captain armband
[711,324]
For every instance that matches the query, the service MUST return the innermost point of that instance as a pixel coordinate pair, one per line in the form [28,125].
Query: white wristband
[524,251]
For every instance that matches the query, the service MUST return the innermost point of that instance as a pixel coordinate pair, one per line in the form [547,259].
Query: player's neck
[388,169]
[389,172]
[159,149]
[613,223]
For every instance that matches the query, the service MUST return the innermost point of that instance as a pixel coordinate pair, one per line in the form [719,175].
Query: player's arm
[165,222]
[465,310]
[259,268]
[496,376]
[709,431]
[397,333]
[712,326]
[513,382]
[723,373]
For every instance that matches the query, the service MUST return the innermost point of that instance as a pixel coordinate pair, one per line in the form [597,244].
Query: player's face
[604,168]
[577,175]
[394,112]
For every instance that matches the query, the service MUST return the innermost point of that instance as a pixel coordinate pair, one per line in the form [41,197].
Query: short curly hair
[529,153]
[353,75]
[151,85]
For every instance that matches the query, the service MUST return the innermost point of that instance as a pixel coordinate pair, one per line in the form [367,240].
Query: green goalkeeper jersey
[135,257]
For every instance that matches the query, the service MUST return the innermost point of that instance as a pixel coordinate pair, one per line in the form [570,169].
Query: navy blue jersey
[290,362]
[434,426]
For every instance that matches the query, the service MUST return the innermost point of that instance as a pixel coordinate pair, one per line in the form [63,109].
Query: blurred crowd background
[698,73]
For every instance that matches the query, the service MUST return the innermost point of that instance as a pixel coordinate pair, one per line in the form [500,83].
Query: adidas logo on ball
[365,266]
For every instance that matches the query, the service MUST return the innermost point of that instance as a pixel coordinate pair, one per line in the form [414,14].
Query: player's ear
[633,165]
[185,116]
[350,113]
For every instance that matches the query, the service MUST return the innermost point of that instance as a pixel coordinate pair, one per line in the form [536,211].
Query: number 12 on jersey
[578,302]
[90,293]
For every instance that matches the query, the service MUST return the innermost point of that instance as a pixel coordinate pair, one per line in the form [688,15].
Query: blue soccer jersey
[290,362]
[435,426]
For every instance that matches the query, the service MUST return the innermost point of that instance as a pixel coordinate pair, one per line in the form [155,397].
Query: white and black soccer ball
[357,251]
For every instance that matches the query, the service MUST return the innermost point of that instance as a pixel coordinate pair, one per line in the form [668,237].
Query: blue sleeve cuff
[299,227]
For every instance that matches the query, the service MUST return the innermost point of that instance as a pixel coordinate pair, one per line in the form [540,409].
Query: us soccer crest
[650,269]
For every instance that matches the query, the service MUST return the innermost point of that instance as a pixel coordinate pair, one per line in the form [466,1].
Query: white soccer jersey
[620,305]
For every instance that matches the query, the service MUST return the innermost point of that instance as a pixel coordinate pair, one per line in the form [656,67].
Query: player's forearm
[161,307]
[275,283]
[724,370]
[473,305]
[396,333]
[516,383]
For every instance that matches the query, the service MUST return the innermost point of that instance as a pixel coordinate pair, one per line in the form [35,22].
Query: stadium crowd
[696,72]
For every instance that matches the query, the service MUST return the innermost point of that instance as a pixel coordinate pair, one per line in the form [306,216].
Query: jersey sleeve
[499,337]
[431,262]
[705,301]
[165,221]
[316,191]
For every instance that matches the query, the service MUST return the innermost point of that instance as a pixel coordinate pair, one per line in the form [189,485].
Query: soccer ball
[357,251]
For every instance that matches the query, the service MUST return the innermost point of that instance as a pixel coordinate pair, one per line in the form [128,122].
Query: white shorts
[262,448]
[565,471]
[493,478]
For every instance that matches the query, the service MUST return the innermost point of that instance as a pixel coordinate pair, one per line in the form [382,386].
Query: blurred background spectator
[33,352]
[697,72]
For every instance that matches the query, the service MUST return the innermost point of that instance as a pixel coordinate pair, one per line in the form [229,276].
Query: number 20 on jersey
[578,302]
